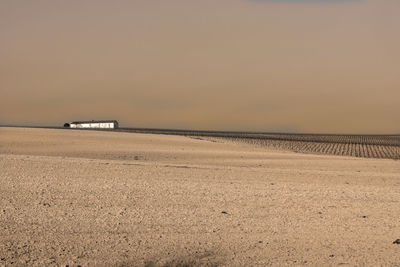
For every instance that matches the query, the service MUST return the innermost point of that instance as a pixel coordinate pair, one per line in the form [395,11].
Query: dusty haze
[307,66]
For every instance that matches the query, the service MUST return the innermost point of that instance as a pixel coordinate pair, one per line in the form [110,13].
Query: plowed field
[384,147]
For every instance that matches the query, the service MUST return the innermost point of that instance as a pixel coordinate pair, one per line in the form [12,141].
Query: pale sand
[106,198]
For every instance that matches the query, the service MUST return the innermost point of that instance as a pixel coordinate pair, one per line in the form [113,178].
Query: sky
[315,66]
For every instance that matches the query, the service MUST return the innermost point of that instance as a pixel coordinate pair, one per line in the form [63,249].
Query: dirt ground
[71,197]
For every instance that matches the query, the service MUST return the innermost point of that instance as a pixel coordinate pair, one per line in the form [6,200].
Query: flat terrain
[71,197]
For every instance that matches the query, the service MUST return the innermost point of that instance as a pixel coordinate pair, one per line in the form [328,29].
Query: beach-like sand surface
[71,197]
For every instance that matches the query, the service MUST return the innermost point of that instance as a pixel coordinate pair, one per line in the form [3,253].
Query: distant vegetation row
[351,148]
[367,146]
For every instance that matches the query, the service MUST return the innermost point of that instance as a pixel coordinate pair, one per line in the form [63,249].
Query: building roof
[93,121]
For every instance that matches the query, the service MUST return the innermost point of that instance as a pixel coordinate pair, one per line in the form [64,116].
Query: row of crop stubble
[382,147]
[366,146]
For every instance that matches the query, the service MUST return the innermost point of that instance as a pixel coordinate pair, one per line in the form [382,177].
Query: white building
[111,124]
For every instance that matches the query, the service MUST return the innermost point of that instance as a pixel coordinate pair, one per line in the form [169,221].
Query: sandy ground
[120,199]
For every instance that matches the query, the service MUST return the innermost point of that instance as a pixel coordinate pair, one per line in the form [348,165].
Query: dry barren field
[71,197]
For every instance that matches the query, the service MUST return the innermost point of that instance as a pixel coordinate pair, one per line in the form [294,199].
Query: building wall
[107,125]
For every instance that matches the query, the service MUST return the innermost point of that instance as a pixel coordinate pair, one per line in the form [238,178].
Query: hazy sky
[269,65]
